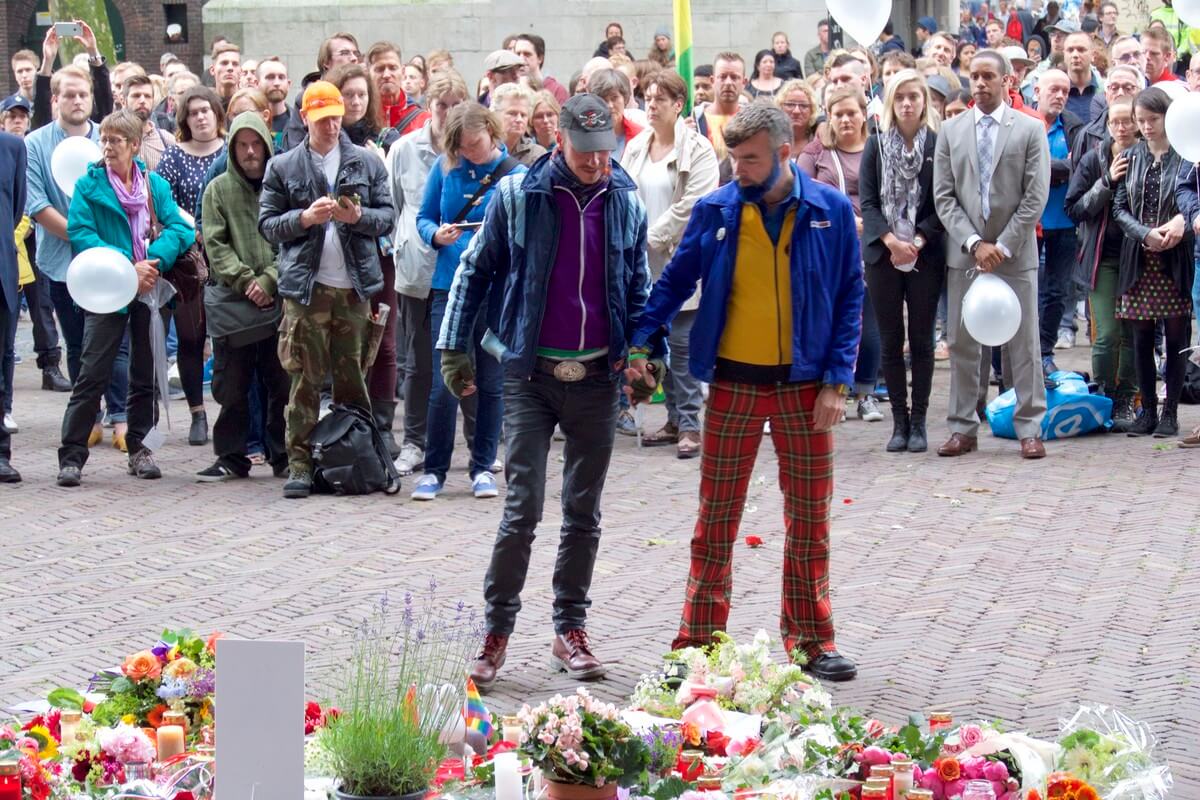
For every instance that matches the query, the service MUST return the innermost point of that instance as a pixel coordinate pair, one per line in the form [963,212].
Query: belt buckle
[570,371]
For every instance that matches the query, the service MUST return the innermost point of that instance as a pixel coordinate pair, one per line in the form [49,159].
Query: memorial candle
[508,779]
[10,782]
[170,741]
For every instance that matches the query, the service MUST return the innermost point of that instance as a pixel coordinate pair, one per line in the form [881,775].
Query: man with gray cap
[501,66]
[561,264]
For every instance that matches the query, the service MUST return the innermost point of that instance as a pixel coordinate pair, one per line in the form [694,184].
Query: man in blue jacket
[561,260]
[776,336]
[12,209]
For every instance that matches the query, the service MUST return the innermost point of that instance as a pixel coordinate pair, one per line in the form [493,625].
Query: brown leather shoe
[958,444]
[1032,448]
[572,654]
[489,661]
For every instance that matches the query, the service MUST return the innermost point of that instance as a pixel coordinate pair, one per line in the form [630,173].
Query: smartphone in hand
[68,30]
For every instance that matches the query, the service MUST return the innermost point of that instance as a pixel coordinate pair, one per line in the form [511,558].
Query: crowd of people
[541,255]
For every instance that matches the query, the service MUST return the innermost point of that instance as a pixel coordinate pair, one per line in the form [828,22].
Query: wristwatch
[919,241]
[975,246]
[96,61]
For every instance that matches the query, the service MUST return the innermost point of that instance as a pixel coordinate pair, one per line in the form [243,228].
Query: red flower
[154,716]
[82,766]
[754,541]
[875,728]
[716,742]
[88,706]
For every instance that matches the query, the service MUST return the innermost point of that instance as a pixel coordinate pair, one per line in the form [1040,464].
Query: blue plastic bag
[1070,410]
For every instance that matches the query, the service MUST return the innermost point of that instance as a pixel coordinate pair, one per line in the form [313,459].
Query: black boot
[899,441]
[198,434]
[1168,420]
[384,413]
[1148,421]
[1122,414]
[917,440]
[54,381]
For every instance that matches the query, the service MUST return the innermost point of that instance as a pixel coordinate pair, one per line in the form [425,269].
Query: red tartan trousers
[733,430]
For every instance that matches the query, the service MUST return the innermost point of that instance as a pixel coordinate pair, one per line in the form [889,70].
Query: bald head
[590,68]
[1051,93]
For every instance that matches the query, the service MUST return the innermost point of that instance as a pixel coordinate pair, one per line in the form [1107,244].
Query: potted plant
[403,685]
[582,746]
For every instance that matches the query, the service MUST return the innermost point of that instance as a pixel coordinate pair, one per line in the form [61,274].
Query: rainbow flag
[477,716]
[683,47]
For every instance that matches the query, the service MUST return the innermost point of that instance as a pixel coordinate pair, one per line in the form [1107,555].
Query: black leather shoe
[54,381]
[831,666]
[7,473]
[198,434]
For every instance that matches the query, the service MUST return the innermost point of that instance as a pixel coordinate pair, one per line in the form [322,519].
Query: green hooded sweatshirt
[237,252]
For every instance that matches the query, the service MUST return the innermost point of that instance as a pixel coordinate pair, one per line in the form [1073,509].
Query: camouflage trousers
[326,337]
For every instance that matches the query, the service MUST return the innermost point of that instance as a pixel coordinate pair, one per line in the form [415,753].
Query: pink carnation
[875,755]
[972,767]
[996,772]
[954,788]
[970,735]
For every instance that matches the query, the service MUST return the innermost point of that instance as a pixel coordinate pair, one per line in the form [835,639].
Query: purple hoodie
[576,316]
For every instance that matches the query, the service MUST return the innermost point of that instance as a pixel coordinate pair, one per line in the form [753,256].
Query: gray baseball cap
[588,123]
[1067,26]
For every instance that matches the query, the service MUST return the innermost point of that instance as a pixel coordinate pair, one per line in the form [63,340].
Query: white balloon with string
[991,311]
[862,19]
[1182,125]
[70,161]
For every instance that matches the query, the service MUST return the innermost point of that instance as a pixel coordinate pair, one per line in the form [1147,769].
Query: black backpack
[1191,384]
[349,455]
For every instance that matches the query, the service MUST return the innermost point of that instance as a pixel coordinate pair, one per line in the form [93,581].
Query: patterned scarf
[901,192]
[133,201]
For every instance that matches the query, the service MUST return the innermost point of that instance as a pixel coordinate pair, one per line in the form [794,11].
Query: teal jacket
[96,218]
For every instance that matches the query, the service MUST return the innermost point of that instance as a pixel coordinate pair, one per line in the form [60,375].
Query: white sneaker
[484,485]
[497,467]
[427,487]
[868,410]
[1066,340]
[411,459]
[10,424]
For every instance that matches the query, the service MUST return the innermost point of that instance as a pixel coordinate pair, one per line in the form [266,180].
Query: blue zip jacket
[445,195]
[827,282]
[511,257]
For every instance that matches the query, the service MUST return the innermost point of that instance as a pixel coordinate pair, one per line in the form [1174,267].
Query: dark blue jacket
[1188,199]
[511,257]
[827,282]
[12,208]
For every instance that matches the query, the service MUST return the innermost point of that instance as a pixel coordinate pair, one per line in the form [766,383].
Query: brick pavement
[991,586]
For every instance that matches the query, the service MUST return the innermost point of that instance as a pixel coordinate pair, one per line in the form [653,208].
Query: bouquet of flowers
[33,749]
[578,739]
[1111,752]
[176,674]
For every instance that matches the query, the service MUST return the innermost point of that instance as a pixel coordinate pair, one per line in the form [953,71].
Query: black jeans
[234,372]
[6,318]
[587,413]
[191,333]
[102,337]
[71,318]
[417,365]
[41,314]
[1054,283]
[891,290]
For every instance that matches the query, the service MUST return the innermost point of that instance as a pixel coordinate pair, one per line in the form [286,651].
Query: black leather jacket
[1089,203]
[291,185]
[1129,212]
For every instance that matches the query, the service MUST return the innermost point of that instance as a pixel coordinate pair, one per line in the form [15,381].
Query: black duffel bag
[230,315]
[349,455]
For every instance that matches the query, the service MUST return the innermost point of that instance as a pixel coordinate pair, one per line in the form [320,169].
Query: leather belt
[570,370]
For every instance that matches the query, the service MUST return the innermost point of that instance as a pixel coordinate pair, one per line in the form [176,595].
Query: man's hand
[446,235]
[319,213]
[643,376]
[828,409]
[49,51]
[457,373]
[147,272]
[988,256]
[257,296]
[346,211]
[88,40]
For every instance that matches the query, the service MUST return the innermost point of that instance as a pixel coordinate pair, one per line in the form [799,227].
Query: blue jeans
[443,406]
[684,396]
[1196,291]
[8,330]
[70,319]
[1054,283]
[866,369]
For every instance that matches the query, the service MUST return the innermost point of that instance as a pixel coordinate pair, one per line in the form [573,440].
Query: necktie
[986,155]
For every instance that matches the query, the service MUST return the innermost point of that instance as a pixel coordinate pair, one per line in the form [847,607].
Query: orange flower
[1034,794]
[1087,793]
[141,666]
[691,734]
[154,717]
[948,769]
[211,644]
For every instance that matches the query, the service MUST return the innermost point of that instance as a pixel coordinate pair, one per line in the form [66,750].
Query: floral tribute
[578,739]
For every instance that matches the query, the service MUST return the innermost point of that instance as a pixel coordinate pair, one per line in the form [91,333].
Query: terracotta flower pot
[578,791]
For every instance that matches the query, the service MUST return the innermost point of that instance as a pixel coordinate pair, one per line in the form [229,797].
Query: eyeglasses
[347,53]
[796,106]
[115,141]
[1125,87]
[1130,57]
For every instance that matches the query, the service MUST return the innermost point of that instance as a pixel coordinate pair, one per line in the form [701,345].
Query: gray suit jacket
[1019,189]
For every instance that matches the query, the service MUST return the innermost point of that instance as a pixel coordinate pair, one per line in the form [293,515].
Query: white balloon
[862,19]
[991,311]
[1176,90]
[1188,12]
[70,161]
[1183,126]
[102,280]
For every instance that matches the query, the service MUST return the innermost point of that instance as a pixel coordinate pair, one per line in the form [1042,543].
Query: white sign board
[260,719]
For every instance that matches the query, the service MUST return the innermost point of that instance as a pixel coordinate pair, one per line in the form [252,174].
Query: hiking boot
[141,465]
[1168,420]
[54,381]
[1147,422]
[69,475]
[572,653]
[1122,414]
[299,485]
[489,661]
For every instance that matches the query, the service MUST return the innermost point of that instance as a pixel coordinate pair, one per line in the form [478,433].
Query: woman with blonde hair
[798,100]
[834,159]
[461,182]
[902,248]
[543,122]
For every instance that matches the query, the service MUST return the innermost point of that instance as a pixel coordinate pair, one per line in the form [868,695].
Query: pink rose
[970,735]
[875,755]
[954,788]
[929,780]
[875,728]
[997,788]
[972,767]
[996,772]
[952,749]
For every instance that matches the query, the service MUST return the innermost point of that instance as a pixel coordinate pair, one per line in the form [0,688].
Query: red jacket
[395,114]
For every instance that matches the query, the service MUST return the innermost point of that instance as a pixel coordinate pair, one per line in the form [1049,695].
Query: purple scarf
[134,203]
